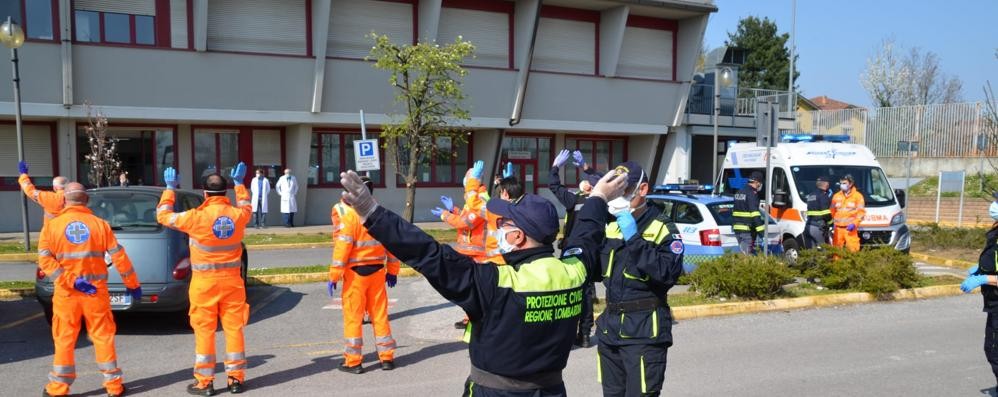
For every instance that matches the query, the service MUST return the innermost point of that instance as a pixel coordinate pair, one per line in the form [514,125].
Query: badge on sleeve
[223,227]
[77,233]
[676,247]
[571,252]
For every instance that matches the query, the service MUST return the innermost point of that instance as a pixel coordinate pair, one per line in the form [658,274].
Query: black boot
[356,370]
[235,386]
[208,390]
[387,365]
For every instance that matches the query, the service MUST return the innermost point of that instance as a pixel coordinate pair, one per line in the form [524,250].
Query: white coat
[255,194]
[287,188]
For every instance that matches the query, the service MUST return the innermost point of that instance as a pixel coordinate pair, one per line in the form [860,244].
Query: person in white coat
[260,189]
[287,188]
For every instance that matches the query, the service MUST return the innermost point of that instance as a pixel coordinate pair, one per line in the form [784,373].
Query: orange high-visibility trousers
[213,296]
[66,314]
[360,294]
[845,238]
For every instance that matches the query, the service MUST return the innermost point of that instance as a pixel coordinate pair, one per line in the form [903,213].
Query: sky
[835,38]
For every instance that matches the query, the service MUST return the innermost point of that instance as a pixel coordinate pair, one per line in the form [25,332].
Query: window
[39,149]
[115,28]
[36,17]
[332,153]
[268,153]
[488,28]
[687,213]
[258,26]
[600,153]
[531,158]
[144,153]
[648,48]
[566,41]
[446,167]
[214,151]
[350,22]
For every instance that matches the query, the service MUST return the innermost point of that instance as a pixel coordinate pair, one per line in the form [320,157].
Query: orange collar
[215,200]
[80,209]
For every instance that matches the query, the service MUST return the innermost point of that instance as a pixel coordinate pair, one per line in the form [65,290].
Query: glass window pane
[461,161]
[313,161]
[618,152]
[117,28]
[444,160]
[145,30]
[87,26]
[39,16]
[586,147]
[330,158]
[204,155]
[164,153]
[570,174]
[544,160]
[602,161]
[11,8]
[228,145]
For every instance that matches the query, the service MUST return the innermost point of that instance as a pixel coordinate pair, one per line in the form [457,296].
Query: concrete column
[66,148]
[641,149]
[676,159]
[613,22]
[200,25]
[429,19]
[688,41]
[320,34]
[185,158]
[65,24]
[298,140]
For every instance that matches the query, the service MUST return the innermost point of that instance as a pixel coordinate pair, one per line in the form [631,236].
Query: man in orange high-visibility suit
[365,267]
[848,209]
[217,288]
[71,253]
[469,222]
[51,202]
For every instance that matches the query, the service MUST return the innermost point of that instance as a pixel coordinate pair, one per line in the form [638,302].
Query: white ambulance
[797,161]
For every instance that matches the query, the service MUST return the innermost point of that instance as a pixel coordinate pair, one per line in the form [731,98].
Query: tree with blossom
[103,157]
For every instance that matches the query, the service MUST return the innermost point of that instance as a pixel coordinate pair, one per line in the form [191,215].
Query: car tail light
[39,274]
[154,298]
[182,269]
[710,238]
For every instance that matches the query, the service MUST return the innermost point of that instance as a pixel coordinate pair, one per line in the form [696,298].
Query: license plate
[121,299]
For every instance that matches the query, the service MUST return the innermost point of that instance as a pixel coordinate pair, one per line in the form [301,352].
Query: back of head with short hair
[512,186]
[215,185]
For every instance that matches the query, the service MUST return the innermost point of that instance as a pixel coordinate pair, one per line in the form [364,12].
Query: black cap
[756,176]
[821,179]
[533,214]
[634,173]
[594,178]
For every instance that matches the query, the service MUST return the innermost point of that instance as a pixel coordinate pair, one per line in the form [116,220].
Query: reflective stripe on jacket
[353,246]
[848,209]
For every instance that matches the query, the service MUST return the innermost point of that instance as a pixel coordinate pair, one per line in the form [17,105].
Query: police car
[704,221]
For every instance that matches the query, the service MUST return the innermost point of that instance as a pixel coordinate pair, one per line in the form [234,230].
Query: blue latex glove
[437,212]
[508,172]
[391,280]
[577,159]
[447,202]
[238,173]
[478,169]
[628,226]
[561,158]
[330,287]
[170,178]
[136,293]
[851,227]
[972,271]
[973,282]
[22,167]
[81,284]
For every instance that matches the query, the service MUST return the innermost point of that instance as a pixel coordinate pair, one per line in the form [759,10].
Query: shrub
[932,236]
[877,271]
[753,277]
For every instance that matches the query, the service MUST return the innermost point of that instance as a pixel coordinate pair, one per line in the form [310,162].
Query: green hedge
[877,271]
[736,275]
[932,236]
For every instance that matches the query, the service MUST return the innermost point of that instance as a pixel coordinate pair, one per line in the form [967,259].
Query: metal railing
[701,101]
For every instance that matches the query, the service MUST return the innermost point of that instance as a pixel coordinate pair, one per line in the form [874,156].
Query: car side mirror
[900,194]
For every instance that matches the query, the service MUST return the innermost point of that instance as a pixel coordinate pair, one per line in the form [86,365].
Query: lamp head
[11,34]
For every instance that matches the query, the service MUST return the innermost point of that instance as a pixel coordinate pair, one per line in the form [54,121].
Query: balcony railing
[701,101]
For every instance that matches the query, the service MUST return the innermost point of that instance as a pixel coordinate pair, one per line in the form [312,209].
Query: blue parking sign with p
[366,149]
[366,155]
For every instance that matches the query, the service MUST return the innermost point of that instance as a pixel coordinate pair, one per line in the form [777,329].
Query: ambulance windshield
[869,180]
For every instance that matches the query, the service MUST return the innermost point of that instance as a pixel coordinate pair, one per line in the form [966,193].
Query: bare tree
[103,156]
[895,77]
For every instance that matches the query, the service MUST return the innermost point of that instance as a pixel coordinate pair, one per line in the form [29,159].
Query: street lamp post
[722,77]
[12,36]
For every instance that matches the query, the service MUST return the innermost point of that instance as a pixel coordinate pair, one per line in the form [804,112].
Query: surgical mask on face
[618,205]
[844,187]
[993,210]
[504,246]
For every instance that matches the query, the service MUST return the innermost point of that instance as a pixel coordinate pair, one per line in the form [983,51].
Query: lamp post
[722,77]
[12,36]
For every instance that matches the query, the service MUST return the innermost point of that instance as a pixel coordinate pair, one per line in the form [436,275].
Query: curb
[302,278]
[270,247]
[935,260]
[16,293]
[25,257]
[725,309]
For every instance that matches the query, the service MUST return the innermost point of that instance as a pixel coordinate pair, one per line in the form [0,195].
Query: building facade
[202,84]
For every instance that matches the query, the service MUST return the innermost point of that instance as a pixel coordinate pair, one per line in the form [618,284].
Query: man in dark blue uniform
[642,259]
[748,223]
[524,315]
[819,214]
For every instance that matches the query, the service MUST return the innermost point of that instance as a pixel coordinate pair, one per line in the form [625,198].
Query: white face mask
[504,246]
[844,187]
[619,205]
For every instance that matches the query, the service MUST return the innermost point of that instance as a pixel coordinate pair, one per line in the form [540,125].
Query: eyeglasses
[503,222]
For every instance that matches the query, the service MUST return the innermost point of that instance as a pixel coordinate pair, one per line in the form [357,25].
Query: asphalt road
[922,348]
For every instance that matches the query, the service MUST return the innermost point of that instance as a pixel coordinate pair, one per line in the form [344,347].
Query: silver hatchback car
[160,255]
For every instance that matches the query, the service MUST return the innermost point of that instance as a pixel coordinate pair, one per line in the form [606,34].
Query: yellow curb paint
[300,278]
[272,247]
[21,321]
[26,257]
[935,260]
[16,293]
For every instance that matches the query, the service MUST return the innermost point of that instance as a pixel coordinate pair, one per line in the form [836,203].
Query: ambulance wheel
[791,250]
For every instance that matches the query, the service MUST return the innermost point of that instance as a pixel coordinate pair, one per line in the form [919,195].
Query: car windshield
[869,180]
[126,210]
[722,213]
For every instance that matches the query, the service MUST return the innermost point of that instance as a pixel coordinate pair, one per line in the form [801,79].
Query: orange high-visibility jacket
[353,246]
[51,202]
[74,244]
[470,222]
[491,242]
[215,228]
[848,209]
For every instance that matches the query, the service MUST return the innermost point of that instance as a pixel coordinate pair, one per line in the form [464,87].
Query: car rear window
[722,213]
[126,210]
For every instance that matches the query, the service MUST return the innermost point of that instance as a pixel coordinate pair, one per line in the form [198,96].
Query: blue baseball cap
[635,175]
[533,214]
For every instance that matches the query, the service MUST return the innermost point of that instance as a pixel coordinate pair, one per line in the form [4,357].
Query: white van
[797,161]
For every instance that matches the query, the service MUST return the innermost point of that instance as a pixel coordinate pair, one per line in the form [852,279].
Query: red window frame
[160,23]
[539,177]
[244,149]
[574,14]
[56,31]
[591,156]
[640,21]
[341,135]
[457,176]
[502,7]
[173,127]
[55,156]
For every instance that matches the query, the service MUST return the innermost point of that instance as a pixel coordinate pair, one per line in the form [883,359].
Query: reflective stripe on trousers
[63,374]
[385,343]
[353,346]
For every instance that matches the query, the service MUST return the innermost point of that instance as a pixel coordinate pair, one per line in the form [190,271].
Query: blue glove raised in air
[330,287]
[972,282]
[508,172]
[437,212]
[577,159]
[170,178]
[22,167]
[851,227]
[391,280]
[81,284]
[136,293]
[973,270]
[561,158]
[447,202]
[238,173]
[478,169]
[628,226]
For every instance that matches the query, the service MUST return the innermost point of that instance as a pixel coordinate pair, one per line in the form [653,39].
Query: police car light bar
[685,188]
[794,138]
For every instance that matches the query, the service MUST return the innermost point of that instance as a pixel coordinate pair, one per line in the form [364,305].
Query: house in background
[824,115]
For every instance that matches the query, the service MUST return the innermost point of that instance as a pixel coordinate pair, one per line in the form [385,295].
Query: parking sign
[366,155]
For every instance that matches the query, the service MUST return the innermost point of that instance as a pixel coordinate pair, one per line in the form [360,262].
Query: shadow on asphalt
[428,352]
[418,310]
[317,366]
[179,379]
